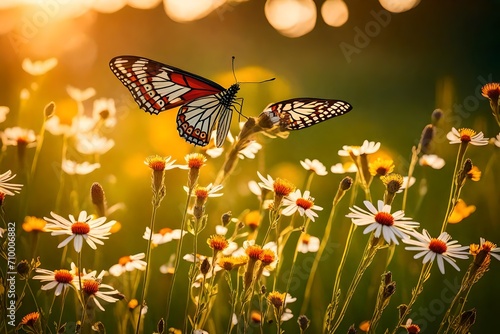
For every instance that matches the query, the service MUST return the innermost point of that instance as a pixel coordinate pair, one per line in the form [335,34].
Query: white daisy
[74,168]
[199,331]
[19,136]
[128,263]
[315,166]
[304,204]
[267,183]
[9,188]
[83,275]
[308,244]
[54,126]
[496,140]
[38,67]
[80,95]
[93,144]
[85,228]
[287,315]
[168,268]
[465,135]
[153,159]
[82,124]
[94,289]
[406,183]
[58,279]
[211,191]
[255,188]
[105,110]
[340,168]
[431,160]
[214,152]
[486,246]
[163,236]
[438,249]
[3,113]
[368,147]
[250,150]
[382,222]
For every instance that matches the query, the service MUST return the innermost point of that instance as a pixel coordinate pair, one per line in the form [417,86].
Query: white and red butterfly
[299,113]
[205,105]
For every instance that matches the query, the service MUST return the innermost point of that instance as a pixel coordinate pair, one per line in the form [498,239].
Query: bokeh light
[335,12]
[185,11]
[292,18]
[399,6]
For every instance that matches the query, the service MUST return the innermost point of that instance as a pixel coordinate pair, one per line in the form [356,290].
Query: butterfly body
[205,105]
[300,113]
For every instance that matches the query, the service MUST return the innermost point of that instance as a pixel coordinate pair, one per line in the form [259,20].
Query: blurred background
[394,61]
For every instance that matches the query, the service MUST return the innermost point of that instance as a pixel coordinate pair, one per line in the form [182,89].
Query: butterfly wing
[157,87]
[197,119]
[299,113]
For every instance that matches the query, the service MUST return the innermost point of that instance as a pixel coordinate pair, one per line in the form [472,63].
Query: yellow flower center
[305,238]
[304,203]
[63,276]
[165,230]
[466,134]
[276,298]
[80,228]
[437,246]
[488,246]
[124,260]
[254,252]
[384,218]
[282,187]
[252,219]
[201,193]
[217,242]
[196,160]
[267,257]
[90,287]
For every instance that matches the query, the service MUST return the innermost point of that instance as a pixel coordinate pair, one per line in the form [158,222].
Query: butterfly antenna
[234,75]
[232,67]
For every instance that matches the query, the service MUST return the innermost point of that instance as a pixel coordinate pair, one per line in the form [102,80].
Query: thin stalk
[145,283]
[178,252]
[449,208]
[424,275]
[317,259]
[414,158]
[63,298]
[368,255]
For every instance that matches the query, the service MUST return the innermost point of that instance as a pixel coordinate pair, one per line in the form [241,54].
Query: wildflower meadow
[279,214]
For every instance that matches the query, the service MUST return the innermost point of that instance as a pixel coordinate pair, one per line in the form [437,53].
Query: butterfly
[300,113]
[204,104]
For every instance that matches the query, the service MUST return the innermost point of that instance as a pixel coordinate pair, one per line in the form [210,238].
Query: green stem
[424,275]
[414,158]
[178,253]
[368,255]
[145,283]
[63,298]
[317,259]
[458,163]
